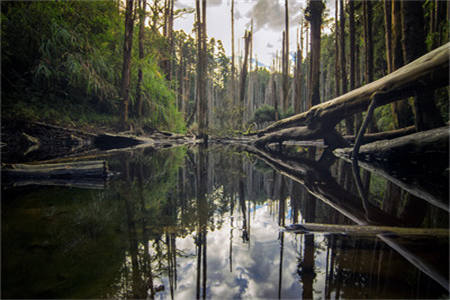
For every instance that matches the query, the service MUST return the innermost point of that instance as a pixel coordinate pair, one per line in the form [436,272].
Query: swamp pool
[206,222]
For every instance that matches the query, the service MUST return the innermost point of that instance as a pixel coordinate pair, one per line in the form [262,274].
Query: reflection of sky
[255,264]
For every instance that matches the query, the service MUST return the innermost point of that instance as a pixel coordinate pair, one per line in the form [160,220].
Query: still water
[189,223]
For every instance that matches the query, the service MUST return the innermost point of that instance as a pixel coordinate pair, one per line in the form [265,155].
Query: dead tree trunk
[430,71]
[244,70]
[126,65]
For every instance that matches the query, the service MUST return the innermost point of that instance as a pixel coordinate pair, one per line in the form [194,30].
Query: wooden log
[332,194]
[429,71]
[83,169]
[367,230]
[81,183]
[385,135]
[432,144]
[414,188]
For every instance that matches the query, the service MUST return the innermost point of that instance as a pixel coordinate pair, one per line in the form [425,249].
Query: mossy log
[427,72]
[367,230]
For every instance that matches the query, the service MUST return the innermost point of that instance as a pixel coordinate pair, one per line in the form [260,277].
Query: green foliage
[62,63]
[265,113]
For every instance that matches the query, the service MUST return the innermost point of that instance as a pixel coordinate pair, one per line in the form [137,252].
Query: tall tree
[401,110]
[388,32]
[142,7]
[201,70]
[313,14]
[298,75]
[368,42]
[247,39]
[337,75]
[413,46]
[349,120]
[286,58]
[126,65]
[353,55]
[233,70]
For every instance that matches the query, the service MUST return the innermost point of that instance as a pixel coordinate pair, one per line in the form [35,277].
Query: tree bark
[244,70]
[413,46]
[315,18]
[349,120]
[142,8]
[286,59]
[401,110]
[126,65]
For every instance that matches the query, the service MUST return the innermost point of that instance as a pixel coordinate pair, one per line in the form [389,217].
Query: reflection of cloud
[270,14]
[214,2]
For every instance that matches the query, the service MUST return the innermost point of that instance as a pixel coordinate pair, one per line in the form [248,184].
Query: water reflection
[205,223]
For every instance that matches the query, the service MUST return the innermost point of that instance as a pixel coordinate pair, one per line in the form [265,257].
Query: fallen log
[426,145]
[429,71]
[79,169]
[367,230]
[334,195]
[81,183]
[385,135]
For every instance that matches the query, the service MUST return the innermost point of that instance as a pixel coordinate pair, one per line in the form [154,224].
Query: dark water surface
[190,222]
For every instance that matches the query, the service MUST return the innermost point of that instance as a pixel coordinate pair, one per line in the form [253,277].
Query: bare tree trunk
[247,39]
[354,54]
[286,59]
[337,76]
[298,75]
[126,66]
[368,41]
[388,33]
[142,7]
[401,110]
[348,121]
[413,45]
[315,18]
[233,70]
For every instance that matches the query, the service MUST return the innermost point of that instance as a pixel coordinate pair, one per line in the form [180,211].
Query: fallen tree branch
[367,230]
[80,169]
[385,135]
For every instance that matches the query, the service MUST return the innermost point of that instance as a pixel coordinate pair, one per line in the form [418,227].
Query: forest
[142,158]
[121,66]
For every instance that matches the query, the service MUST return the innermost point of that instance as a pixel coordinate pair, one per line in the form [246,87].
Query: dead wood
[429,71]
[80,169]
[367,230]
[385,135]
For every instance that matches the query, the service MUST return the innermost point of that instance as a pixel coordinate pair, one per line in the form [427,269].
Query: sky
[268,18]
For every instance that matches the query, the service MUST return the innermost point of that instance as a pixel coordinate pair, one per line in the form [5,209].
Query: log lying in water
[367,230]
[79,169]
[385,135]
[432,143]
[429,71]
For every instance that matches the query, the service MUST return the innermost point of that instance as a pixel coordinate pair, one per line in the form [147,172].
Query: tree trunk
[247,39]
[298,76]
[337,76]
[315,18]
[286,60]
[349,120]
[413,45]
[233,70]
[126,66]
[142,7]
[368,41]
[401,110]
[388,33]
